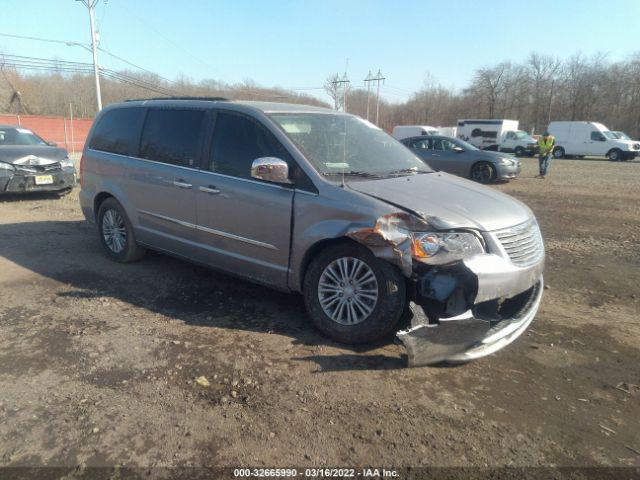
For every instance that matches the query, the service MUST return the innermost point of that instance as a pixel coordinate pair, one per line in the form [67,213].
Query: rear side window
[118,131]
[172,136]
[238,141]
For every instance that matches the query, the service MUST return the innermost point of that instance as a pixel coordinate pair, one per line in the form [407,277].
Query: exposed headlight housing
[67,162]
[6,168]
[444,247]
[507,161]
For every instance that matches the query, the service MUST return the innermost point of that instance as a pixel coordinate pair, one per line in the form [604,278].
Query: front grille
[51,168]
[523,243]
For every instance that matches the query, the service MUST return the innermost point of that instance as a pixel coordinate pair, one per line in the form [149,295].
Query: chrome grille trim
[522,243]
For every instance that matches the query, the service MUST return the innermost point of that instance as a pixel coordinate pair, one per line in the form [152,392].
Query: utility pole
[345,83]
[368,81]
[378,78]
[90,4]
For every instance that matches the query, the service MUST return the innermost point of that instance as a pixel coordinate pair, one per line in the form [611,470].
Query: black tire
[483,172]
[615,155]
[388,309]
[558,152]
[130,250]
[519,151]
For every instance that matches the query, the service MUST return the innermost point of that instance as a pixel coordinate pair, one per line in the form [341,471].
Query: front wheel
[615,155]
[116,233]
[352,296]
[519,151]
[558,152]
[483,172]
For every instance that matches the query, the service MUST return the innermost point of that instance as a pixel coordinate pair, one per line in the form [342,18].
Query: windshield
[338,143]
[520,135]
[19,136]
[621,135]
[610,135]
[463,144]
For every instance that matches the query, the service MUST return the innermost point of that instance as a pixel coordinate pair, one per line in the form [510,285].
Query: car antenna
[344,150]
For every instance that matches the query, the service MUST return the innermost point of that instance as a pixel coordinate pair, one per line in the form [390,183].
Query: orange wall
[52,129]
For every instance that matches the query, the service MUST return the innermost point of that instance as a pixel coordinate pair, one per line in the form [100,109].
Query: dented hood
[16,153]
[447,201]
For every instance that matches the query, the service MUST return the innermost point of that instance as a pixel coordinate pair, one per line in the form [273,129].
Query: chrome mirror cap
[270,169]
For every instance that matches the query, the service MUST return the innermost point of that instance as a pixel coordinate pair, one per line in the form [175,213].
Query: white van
[406,131]
[590,139]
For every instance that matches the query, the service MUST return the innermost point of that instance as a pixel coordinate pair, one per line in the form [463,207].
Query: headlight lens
[442,247]
[507,161]
[66,162]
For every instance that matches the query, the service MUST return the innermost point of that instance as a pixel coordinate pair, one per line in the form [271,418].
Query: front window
[610,135]
[520,135]
[19,136]
[465,145]
[338,143]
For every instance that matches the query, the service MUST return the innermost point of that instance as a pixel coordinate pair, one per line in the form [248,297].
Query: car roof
[422,137]
[265,107]
[11,126]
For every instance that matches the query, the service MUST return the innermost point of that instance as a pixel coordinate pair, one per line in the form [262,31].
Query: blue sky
[299,43]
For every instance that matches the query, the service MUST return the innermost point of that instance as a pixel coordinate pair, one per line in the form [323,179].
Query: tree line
[541,89]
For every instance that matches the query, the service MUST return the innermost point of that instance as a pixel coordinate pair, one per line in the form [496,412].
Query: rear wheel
[351,295]
[483,172]
[558,152]
[116,233]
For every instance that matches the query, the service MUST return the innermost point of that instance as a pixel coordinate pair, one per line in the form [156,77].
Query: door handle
[435,155]
[210,190]
[182,184]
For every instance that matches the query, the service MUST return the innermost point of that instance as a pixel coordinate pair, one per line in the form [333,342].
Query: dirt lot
[98,360]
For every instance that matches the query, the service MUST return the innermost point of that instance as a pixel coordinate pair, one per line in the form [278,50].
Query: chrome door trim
[236,237]
[210,230]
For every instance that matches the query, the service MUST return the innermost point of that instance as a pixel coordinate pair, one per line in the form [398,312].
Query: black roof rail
[209,99]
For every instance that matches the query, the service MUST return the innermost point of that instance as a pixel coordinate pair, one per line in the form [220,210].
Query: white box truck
[448,131]
[405,131]
[497,134]
[590,139]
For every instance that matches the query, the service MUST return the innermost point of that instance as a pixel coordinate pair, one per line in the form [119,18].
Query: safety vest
[545,147]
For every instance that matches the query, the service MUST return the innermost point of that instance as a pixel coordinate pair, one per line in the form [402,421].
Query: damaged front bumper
[54,181]
[470,309]
[469,335]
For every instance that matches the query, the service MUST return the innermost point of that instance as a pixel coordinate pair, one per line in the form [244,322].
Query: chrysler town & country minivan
[310,200]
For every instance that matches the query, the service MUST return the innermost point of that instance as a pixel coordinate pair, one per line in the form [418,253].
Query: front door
[244,224]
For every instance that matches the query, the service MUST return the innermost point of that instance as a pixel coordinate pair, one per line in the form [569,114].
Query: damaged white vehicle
[310,200]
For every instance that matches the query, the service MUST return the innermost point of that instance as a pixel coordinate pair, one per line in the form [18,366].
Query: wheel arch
[314,250]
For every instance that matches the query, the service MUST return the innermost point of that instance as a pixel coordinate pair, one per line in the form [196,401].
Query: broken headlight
[6,169]
[66,162]
[443,247]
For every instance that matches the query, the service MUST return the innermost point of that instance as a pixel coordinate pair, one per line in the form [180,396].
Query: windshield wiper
[408,170]
[353,173]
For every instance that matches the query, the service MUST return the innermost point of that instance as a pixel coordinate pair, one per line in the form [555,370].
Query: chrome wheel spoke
[348,291]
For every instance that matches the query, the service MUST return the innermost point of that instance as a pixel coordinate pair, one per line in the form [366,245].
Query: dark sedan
[458,157]
[29,164]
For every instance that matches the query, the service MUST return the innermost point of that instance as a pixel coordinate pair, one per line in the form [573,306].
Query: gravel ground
[98,360]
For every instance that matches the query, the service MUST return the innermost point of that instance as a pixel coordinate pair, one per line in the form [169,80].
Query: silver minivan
[306,199]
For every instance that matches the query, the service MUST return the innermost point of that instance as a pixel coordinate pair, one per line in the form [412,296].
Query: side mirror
[52,144]
[270,169]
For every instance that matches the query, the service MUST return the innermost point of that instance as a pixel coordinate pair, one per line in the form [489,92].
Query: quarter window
[238,141]
[118,131]
[172,136]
